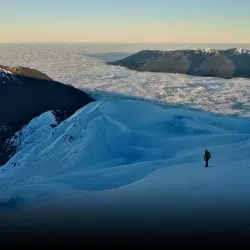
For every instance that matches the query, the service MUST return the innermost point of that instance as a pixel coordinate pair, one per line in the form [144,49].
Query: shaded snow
[126,154]
[33,132]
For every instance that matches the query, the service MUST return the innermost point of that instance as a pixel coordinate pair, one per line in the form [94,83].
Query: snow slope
[33,132]
[132,161]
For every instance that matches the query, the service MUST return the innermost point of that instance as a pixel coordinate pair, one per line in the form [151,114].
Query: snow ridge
[242,51]
[31,133]
[238,51]
[209,51]
[100,136]
[128,152]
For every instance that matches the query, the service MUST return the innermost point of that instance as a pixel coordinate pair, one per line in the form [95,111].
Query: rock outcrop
[213,63]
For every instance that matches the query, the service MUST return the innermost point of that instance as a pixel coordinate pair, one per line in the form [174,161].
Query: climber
[207,156]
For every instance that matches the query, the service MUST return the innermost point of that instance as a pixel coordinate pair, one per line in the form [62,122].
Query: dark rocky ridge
[212,63]
[25,71]
[26,93]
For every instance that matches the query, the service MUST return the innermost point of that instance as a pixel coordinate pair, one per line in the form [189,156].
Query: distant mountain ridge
[23,71]
[206,62]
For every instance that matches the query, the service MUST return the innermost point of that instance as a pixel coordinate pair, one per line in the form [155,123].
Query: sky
[125,21]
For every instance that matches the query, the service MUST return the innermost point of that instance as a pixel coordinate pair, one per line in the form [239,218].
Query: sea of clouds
[83,66]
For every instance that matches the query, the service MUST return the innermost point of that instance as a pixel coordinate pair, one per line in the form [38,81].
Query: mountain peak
[7,73]
[6,76]
[241,51]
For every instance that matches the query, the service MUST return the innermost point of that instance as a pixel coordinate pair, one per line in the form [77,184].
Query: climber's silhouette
[207,156]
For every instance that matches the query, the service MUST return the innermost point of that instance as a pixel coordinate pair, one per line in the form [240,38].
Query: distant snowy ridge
[242,51]
[209,50]
[239,51]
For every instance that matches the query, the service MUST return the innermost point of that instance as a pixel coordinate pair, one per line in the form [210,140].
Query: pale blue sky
[125,21]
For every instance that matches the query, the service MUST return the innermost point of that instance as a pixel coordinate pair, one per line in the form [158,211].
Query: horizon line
[38,42]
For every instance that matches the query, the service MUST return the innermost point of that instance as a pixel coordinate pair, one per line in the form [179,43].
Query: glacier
[132,162]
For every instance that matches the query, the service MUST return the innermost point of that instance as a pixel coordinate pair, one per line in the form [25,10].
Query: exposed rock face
[26,93]
[24,71]
[208,62]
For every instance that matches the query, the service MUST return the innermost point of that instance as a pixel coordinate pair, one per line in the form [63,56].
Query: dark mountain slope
[212,63]
[27,93]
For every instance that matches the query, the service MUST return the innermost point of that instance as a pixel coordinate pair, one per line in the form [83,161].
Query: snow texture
[33,132]
[242,51]
[116,156]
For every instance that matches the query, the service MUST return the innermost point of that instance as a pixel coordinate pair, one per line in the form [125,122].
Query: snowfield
[135,162]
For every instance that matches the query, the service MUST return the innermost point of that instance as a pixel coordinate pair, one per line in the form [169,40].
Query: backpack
[208,155]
